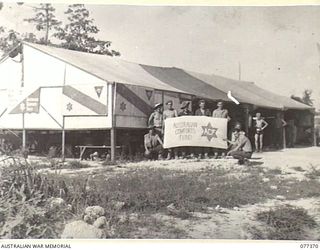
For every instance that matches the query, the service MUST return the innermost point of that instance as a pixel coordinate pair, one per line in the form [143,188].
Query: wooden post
[22,66]
[63,140]
[113,125]
[313,130]
[23,134]
[284,141]
[246,121]
[23,107]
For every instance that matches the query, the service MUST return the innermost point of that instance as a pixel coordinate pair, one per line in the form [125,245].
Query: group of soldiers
[239,145]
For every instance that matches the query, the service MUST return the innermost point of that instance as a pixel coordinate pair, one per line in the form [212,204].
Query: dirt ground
[235,224]
[225,223]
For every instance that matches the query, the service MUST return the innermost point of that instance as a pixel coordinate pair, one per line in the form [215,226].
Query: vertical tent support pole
[284,140]
[246,122]
[313,130]
[63,140]
[23,106]
[113,125]
[23,133]
[63,132]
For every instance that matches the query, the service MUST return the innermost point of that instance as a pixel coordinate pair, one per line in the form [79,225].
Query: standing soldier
[220,112]
[185,109]
[185,112]
[156,119]
[202,111]
[170,113]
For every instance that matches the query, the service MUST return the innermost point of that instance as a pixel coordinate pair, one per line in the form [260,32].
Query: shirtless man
[260,125]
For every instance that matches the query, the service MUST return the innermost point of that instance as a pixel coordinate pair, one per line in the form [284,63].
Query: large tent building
[89,98]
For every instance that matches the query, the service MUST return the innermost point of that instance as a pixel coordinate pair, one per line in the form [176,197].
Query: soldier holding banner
[220,112]
[170,113]
[185,109]
[185,112]
[202,111]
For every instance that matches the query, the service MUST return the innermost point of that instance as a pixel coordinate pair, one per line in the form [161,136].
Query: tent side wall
[11,71]
[134,104]
[51,74]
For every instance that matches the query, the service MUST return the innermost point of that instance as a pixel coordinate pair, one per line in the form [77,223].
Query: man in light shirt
[220,112]
[242,150]
[170,112]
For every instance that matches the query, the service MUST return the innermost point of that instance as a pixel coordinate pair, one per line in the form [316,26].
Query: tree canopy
[78,33]
[306,97]
[44,20]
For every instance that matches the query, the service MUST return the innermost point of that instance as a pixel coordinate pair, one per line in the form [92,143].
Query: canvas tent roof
[170,79]
[248,92]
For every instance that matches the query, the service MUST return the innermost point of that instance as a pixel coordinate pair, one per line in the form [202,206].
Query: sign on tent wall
[134,101]
[85,100]
[133,105]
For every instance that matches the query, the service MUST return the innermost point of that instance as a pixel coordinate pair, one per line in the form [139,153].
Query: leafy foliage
[25,207]
[306,97]
[10,39]
[79,33]
[44,19]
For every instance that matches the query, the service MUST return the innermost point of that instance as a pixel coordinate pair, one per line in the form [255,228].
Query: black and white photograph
[159,122]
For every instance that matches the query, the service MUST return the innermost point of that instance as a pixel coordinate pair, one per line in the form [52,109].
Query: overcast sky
[276,46]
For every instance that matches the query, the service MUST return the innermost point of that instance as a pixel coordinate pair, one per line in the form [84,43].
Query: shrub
[286,223]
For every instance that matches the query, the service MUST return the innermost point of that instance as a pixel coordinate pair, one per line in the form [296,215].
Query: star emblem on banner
[69,106]
[123,106]
[209,131]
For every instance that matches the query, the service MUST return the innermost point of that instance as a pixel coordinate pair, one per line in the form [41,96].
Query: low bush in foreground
[285,223]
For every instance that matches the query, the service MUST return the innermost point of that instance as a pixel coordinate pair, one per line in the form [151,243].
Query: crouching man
[153,144]
[242,149]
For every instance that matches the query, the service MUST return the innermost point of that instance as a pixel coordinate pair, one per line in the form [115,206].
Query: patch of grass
[76,165]
[152,190]
[147,227]
[293,189]
[299,169]
[273,171]
[285,223]
[314,173]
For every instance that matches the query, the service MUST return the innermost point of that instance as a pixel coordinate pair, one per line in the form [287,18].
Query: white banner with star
[195,131]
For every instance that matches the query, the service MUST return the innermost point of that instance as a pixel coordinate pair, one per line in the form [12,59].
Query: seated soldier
[243,149]
[153,144]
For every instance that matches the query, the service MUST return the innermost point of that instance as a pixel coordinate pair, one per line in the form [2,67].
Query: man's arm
[159,140]
[145,145]
[265,124]
[284,123]
[227,115]
[239,146]
[150,118]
